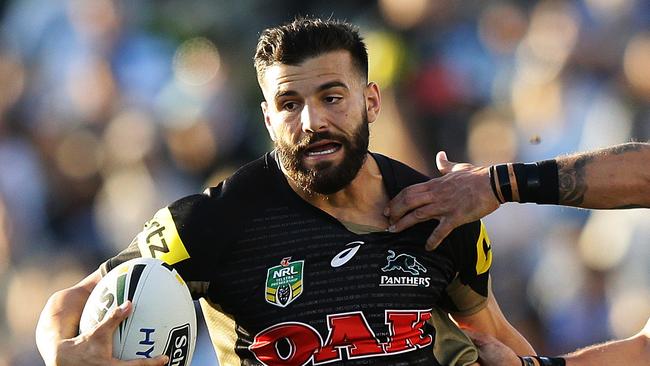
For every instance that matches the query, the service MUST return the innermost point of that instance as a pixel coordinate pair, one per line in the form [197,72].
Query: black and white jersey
[284,283]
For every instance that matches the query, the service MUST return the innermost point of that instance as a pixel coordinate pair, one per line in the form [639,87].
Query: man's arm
[56,332]
[631,351]
[614,177]
[59,319]
[490,320]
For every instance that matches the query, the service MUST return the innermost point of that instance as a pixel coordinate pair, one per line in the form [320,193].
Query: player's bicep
[487,319]
[490,320]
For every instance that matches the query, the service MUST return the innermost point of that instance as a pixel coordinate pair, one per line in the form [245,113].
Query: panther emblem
[403,262]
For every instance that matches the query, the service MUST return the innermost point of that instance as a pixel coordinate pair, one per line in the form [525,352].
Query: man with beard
[290,255]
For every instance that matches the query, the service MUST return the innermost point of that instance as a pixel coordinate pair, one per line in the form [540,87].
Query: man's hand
[491,352]
[463,194]
[96,346]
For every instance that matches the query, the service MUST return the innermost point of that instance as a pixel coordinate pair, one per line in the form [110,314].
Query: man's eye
[332,99]
[290,106]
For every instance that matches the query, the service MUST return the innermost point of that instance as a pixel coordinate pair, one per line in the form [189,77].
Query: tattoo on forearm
[571,177]
[572,172]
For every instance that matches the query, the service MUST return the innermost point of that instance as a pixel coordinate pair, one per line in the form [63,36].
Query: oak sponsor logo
[349,337]
[403,263]
[284,282]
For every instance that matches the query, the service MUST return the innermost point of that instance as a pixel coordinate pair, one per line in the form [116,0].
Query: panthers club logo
[405,263]
[284,282]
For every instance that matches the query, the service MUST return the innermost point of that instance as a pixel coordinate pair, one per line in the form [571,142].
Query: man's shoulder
[253,177]
[244,185]
[228,200]
[398,174]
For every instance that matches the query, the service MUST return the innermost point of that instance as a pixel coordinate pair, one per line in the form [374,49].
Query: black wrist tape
[504,182]
[534,182]
[551,361]
[530,182]
[527,361]
[549,184]
[493,184]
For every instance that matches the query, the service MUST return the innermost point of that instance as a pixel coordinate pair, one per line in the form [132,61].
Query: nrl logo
[284,282]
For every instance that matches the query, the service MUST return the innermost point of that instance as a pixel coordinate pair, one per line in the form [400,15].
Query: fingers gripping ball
[163,320]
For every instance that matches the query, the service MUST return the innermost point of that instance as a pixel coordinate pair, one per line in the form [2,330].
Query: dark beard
[325,177]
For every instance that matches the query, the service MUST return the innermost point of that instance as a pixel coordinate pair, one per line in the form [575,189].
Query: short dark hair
[294,42]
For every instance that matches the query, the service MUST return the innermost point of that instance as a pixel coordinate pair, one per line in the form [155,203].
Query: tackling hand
[463,194]
[491,352]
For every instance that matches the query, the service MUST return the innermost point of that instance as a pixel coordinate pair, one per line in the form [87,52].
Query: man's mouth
[322,148]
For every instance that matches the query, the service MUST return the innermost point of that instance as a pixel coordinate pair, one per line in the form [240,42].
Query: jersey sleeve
[472,253]
[181,235]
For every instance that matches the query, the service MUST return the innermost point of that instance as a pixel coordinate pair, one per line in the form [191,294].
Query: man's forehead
[317,70]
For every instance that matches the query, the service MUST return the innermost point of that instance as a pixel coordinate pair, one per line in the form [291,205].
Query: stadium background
[112,109]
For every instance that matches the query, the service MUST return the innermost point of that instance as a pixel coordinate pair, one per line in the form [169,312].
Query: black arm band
[504,182]
[542,360]
[493,183]
[551,361]
[549,184]
[527,361]
[534,182]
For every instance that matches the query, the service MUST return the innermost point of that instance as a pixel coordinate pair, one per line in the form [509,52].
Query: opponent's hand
[491,352]
[463,194]
[95,347]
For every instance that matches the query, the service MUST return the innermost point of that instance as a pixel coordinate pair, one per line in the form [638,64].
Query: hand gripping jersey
[284,283]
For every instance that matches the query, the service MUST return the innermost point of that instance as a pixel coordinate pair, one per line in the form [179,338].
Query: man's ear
[267,119]
[373,101]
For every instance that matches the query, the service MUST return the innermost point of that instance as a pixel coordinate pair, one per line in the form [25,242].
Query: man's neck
[360,202]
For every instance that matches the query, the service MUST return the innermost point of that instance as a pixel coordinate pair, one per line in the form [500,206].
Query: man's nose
[312,119]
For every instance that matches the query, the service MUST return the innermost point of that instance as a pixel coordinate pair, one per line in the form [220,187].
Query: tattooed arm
[614,177]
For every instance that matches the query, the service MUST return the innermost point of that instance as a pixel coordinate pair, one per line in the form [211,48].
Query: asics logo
[346,254]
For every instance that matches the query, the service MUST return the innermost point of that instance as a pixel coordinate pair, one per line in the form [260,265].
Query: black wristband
[493,184]
[533,182]
[527,361]
[504,182]
[550,361]
[549,186]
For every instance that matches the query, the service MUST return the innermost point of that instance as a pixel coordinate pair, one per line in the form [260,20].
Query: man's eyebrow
[332,84]
[285,93]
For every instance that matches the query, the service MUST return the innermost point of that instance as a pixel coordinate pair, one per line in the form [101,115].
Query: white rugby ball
[163,320]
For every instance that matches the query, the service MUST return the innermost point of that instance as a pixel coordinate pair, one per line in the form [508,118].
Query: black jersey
[284,283]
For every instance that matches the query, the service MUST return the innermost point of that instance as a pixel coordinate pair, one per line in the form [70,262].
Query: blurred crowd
[111,109]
